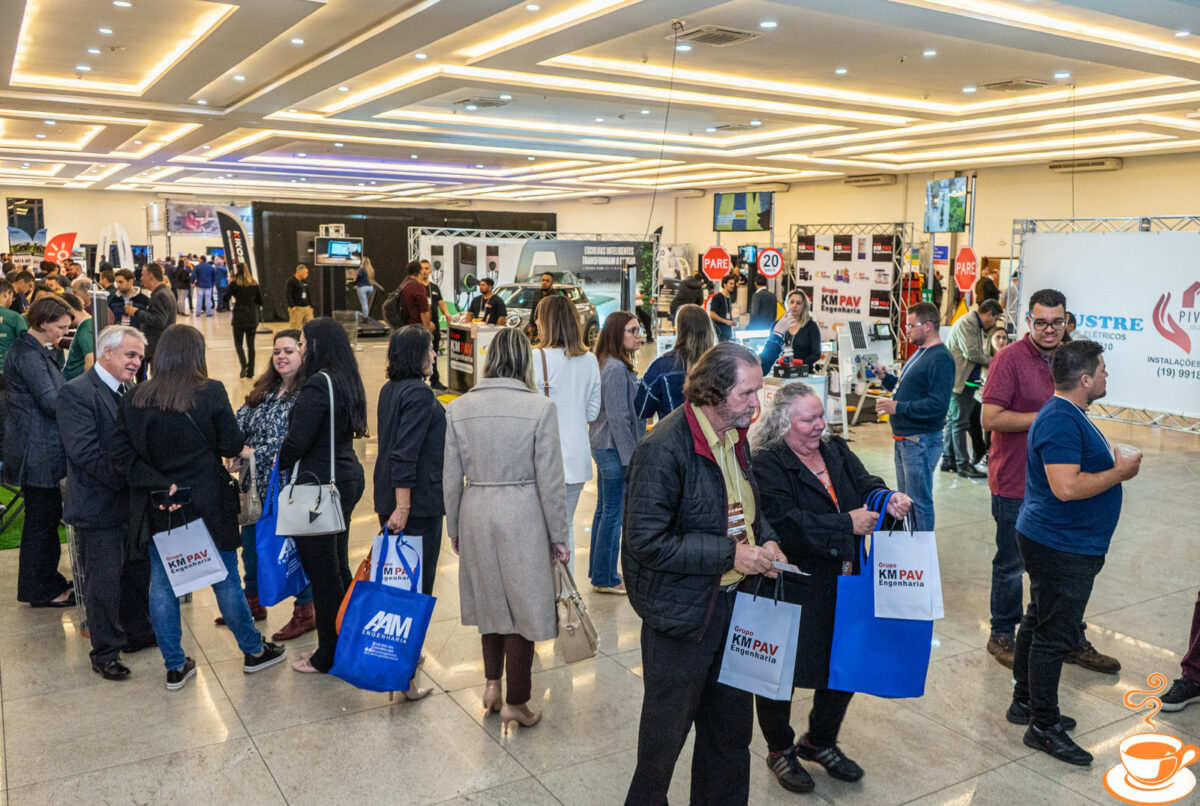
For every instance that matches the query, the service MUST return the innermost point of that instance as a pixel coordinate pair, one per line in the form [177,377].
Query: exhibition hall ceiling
[427,101]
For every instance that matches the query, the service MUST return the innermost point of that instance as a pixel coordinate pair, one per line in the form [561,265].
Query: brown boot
[257,611]
[303,620]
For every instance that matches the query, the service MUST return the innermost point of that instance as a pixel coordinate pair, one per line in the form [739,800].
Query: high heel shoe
[414,693]
[491,696]
[520,714]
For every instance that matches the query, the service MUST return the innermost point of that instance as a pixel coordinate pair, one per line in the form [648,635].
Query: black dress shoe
[1019,713]
[948,466]
[1057,743]
[112,670]
[68,602]
[971,472]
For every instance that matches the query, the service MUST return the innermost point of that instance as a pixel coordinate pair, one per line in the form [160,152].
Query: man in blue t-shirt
[1072,503]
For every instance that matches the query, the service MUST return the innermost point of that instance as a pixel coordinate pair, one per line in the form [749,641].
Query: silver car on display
[518,300]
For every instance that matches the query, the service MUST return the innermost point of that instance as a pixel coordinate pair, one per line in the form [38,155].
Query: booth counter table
[467,346]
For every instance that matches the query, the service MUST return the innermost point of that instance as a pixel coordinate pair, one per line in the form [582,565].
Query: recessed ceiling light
[533,7]
[710,129]
[202,102]
[205,147]
[930,53]
[470,107]
[292,111]
[599,120]
[83,68]
[372,181]
[505,97]
[969,89]
[841,71]
[94,51]
[239,77]
[478,165]
[420,56]
[229,176]
[531,159]
[122,3]
[105,31]
[293,180]
[48,122]
[338,145]
[412,156]
[768,24]
[40,136]
[645,111]
[297,40]
[302,179]
[360,184]
[756,123]
[1062,74]
[683,48]
[301,154]
[137,142]
[1183,33]
[343,88]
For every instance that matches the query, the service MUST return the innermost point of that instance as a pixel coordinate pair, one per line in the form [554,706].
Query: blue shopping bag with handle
[280,574]
[885,657]
[382,634]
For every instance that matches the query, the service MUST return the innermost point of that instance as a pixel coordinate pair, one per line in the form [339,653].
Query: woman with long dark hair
[33,455]
[661,389]
[329,363]
[613,436]
[172,433]
[247,297]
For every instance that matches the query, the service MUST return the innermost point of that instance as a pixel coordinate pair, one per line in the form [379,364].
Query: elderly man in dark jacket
[693,533]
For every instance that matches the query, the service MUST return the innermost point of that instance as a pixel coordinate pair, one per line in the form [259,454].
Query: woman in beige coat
[506,517]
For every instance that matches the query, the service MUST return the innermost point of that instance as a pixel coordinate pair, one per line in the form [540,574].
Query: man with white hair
[96,504]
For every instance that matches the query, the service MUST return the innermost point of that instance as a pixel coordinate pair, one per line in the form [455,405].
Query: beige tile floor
[280,737]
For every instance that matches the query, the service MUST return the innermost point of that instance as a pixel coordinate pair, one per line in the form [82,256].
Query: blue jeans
[250,566]
[606,523]
[164,611]
[204,300]
[1007,567]
[365,294]
[958,421]
[917,457]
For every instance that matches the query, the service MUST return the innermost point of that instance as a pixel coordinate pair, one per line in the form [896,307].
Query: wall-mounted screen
[946,205]
[747,255]
[742,212]
[338,251]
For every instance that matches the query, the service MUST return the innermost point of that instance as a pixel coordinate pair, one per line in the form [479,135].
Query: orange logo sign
[1153,766]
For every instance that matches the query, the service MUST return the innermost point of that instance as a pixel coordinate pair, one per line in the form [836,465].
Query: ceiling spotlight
[710,129]
[202,102]
[239,78]
[420,56]
[470,107]
[293,180]
[929,53]
[841,71]
[83,68]
[105,31]
[360,184]
[683,48]
[301,154]
[302,179]
[372,181]
[645,111]
[505,97]
[48,122]
[229,176]
[599,120]
[122,3]
[137,142]
[1062,74]
[478,165]
[412,156]
[205,147]
[533,7]
[40,136]
[338,145]
[1183,33]
[531,159]
[292,111]
[297,40]
[969,89]
[343,88]
[756,123]
[94,51]
[768,24]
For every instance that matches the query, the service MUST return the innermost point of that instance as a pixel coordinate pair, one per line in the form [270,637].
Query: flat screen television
[338,251]
[747,255]
[742,212]
[946,205]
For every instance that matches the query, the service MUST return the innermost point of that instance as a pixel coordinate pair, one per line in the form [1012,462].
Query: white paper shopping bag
[906,574]
[394,573]
[190,557]
[760,647]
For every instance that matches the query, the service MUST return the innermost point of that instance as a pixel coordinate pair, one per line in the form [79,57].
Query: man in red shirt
[415,298]
[1018,384]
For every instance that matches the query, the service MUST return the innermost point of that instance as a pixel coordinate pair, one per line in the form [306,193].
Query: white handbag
[311,509]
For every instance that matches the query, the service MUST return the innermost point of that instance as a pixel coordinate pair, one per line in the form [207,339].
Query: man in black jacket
[158,315]
[96,504]
[693,532]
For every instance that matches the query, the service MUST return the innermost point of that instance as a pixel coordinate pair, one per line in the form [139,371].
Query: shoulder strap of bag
[332,477]
[545,374]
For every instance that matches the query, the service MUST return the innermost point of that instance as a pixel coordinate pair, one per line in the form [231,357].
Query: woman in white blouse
[569,375]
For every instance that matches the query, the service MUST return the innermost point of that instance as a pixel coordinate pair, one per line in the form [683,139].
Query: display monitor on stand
[858,347]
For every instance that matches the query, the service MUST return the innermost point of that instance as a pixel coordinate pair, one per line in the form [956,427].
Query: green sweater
[12,325]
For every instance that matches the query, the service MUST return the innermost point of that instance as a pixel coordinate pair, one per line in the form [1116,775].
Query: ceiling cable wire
[676,27]
[1073,136]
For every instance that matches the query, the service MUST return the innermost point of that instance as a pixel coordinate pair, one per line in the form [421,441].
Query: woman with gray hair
[813,492]
[506,516]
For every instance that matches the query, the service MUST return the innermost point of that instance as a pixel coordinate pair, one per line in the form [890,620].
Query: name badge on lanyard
[736,520]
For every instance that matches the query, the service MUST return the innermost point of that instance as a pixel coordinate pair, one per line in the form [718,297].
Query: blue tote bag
[880,656]
[280,574]
[382,634]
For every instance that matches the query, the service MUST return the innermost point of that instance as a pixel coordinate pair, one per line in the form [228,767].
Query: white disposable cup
[1128,451]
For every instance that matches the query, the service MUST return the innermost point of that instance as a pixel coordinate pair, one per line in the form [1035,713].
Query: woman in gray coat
[503,458]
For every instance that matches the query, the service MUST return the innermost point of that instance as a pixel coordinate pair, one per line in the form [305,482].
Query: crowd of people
[687,512]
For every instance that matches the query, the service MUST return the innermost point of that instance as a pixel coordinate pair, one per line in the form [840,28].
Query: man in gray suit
[967,344]
[159,314]
[96,504]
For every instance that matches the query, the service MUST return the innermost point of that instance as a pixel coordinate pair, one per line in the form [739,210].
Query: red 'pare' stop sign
[966,269]
[716,263]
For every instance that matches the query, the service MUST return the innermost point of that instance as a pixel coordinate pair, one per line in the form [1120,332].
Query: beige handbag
[577,636]
[251,505]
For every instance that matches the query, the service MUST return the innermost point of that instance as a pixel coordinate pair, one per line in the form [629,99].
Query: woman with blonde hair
[795,329]
[506,583]
[364,286]
[568,374]
[246,297]
[661,389]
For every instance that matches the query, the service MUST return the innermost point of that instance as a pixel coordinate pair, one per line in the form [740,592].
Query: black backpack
[394,312]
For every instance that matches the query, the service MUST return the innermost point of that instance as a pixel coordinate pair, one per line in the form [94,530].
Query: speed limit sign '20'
[770,262]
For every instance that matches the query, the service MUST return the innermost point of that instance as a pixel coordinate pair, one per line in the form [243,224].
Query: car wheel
[591,334]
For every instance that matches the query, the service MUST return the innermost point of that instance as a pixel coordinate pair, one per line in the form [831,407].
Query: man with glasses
[920,399]
[1018,384]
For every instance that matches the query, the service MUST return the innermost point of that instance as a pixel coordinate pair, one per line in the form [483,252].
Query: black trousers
[430,532]
[1060,584]
[116,591]
[435,379]
[240,334]
[824,720]
[38,579]
[681,689]
[326,560]
[517,650]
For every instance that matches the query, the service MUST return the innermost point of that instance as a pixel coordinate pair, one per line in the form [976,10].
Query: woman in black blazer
[812,492]
[172,433]
[33,454]
[328,359]
[247,297]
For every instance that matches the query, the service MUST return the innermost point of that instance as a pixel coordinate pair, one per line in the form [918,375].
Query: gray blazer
[33,454]
[617,426]
[966,344]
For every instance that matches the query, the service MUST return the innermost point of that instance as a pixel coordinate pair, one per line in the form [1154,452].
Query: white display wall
[847,276]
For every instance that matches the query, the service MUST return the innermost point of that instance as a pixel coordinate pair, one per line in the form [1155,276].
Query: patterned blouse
[265,426]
